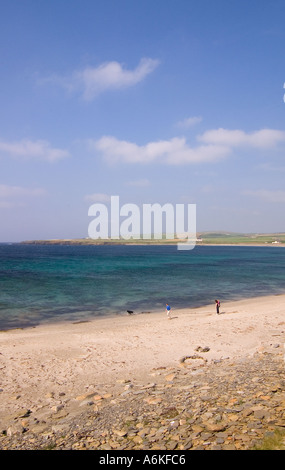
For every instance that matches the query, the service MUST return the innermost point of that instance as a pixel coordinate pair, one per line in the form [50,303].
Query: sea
[41,284]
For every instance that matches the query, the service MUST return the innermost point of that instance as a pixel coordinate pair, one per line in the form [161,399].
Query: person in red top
[218,303]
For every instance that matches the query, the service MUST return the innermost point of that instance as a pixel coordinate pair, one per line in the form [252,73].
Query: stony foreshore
[200,404]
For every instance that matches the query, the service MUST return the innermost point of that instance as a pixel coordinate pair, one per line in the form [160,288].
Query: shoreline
[151,243]
[112,315]
[41,364]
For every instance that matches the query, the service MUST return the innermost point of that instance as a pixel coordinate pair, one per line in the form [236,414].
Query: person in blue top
[168,308]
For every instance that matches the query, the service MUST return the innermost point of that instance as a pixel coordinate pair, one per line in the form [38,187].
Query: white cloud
[267,195]
[172,152]
[189,122]
[264,138]
[213,146]
[106,77]
[27,149]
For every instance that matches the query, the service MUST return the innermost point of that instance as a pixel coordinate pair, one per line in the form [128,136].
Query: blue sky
[155,101]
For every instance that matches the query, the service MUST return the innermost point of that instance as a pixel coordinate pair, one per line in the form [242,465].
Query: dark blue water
[42,283]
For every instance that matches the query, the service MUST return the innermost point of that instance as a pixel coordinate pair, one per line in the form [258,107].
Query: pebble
[218,405]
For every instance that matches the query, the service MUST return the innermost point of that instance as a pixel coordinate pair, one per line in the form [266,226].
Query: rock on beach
[220,407]
[199,381]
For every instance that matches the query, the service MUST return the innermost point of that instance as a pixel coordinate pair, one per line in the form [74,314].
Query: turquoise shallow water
[42,283]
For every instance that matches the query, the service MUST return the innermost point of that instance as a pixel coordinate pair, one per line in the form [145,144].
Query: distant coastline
[203,239]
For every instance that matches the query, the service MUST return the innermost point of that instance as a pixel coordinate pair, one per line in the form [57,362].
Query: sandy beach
[71,359]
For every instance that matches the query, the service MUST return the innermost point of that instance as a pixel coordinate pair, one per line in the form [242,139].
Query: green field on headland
[203,238]
[223,238]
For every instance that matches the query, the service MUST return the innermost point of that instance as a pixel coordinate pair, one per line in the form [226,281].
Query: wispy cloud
[272,168]
[7,191]
[142,183]
[17,196]
[189,122]
[28,149]
[97,197]
[275,196]
[92,81]
[264,138]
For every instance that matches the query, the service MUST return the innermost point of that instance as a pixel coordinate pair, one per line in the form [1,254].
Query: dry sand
[74,358]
